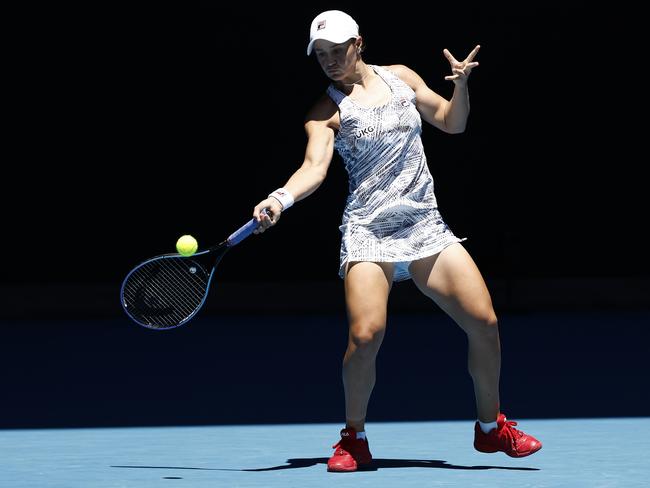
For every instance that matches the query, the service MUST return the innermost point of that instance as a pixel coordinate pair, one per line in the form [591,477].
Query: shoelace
[340,451]
[344,446]
[337,447]
[508,430]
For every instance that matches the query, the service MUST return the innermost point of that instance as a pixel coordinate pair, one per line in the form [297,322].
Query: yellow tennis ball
[186,245]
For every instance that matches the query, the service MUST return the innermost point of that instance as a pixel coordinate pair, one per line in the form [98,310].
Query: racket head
[167,291]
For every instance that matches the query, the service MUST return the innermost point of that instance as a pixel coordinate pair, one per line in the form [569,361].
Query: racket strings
[165,292]
[189,289]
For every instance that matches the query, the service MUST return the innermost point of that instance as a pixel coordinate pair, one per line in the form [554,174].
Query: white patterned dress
[391,214]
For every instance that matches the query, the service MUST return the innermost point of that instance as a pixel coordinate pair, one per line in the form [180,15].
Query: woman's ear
[359,44]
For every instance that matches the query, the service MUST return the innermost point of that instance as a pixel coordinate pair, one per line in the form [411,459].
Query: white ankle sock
[486,427]
[361,435]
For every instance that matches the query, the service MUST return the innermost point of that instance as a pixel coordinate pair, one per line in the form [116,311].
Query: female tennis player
[391,227]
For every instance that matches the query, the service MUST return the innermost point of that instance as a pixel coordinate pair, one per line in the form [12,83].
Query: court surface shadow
[379,463]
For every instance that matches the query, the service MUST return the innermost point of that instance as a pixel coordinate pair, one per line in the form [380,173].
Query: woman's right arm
[318,155]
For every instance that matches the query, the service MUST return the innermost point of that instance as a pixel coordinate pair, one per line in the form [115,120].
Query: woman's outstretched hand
[461,69]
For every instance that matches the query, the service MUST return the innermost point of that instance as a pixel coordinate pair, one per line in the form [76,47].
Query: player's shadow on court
[379,463]
[297,463]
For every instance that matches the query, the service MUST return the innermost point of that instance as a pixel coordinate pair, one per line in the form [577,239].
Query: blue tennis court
[577,453]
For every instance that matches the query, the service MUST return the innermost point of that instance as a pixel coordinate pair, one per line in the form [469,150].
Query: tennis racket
[167,291]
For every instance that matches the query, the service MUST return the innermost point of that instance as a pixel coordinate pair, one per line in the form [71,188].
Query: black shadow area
[381,463]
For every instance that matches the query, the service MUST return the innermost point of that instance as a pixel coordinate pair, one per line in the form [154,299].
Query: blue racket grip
[243,232]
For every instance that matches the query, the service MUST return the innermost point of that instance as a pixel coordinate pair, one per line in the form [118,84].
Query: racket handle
[243,232]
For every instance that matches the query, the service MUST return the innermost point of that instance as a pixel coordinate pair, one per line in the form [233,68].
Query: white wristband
[283,196]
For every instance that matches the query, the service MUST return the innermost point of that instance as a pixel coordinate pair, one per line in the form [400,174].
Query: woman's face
[336,60]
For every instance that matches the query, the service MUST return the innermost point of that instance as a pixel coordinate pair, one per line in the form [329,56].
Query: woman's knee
[367,336]
[484,323]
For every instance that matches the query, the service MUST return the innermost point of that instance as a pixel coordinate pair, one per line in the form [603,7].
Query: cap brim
[331,38]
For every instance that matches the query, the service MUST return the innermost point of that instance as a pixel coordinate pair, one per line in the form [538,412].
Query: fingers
[262,209]
[471,55]
[457,73]
[461,72]
[264,223]
[267,213]
[449,57]
[468,62]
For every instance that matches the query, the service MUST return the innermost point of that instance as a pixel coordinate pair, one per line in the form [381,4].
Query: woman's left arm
[447,115]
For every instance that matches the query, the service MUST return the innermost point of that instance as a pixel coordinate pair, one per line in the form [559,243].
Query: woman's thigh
[453,281]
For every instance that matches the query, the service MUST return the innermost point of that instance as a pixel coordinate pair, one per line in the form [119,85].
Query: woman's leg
[453,281]
[367,286]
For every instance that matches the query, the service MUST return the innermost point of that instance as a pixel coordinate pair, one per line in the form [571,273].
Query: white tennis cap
[334,26]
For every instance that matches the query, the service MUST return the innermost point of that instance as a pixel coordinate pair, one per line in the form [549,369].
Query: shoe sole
[359,467]
[491,450]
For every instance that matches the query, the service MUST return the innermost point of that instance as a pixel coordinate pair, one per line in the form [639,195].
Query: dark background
[135,126]
[132,126]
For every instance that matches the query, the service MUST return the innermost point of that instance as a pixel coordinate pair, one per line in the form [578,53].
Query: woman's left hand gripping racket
[167,291]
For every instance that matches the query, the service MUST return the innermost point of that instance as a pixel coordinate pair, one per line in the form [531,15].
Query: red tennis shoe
[350,453]
[506,438]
